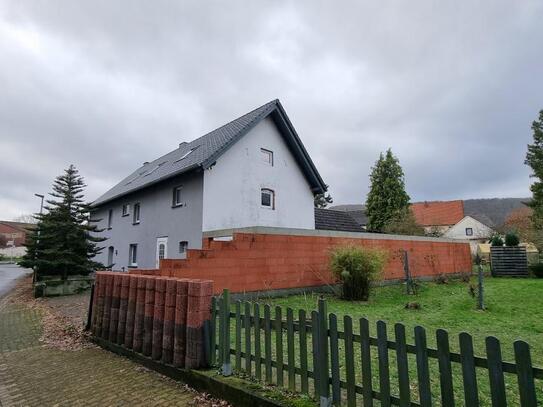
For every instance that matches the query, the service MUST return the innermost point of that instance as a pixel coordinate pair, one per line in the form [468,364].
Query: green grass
[514,310]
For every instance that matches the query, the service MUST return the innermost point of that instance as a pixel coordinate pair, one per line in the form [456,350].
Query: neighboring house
[328,219]
[437,217]
[253,171]
[357,212]
[470,229]
[13,237]
[14,232]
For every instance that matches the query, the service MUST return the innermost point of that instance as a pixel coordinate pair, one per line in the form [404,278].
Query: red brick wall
[254,262]
[160,317]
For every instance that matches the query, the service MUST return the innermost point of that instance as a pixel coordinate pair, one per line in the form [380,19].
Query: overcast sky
[451,87]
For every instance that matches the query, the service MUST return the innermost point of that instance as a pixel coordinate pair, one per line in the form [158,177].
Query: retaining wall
[162,318]
[274,261]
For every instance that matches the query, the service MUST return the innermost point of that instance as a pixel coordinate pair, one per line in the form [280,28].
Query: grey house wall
[157,219]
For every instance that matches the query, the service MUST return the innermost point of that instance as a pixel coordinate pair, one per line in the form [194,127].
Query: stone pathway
[34,374]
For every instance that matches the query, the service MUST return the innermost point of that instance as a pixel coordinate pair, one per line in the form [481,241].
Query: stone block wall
[261,262]
[162,318]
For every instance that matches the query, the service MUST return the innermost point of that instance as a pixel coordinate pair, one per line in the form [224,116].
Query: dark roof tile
[203,152]
[327,219]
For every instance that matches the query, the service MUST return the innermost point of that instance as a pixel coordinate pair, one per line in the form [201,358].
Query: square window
[267,156]
[177,196]
[469,231]
[136,218]
[183,246]
[267,198]
[133,255]
[126,209]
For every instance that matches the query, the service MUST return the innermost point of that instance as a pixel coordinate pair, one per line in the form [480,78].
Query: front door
[161,250]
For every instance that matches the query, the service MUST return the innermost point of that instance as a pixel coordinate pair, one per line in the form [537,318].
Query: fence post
[89,314]
[480,301]
[324,391]
[408,280]
[225,317]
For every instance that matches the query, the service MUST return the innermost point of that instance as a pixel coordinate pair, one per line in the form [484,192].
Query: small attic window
[186,154]
[267,156]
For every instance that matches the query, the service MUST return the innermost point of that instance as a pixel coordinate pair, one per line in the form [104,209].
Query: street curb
[237,396]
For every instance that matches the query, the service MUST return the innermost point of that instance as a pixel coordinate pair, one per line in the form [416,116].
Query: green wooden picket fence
[310,354]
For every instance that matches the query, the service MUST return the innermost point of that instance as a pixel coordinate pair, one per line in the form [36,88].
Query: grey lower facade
[160,223]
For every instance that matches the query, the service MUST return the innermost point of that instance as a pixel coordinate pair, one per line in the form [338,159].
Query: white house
[253,171]
[470,229]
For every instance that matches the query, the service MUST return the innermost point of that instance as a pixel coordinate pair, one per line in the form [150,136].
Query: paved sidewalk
[34,374]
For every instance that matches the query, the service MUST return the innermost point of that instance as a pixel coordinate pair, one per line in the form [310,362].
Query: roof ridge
[234,120]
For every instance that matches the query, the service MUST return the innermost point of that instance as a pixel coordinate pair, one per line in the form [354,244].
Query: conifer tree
[534,158]
[63,241]
[387,199]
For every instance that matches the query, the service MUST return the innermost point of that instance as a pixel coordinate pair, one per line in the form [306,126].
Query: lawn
[514,310]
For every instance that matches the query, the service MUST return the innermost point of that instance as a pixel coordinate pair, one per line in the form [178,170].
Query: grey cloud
[451,87]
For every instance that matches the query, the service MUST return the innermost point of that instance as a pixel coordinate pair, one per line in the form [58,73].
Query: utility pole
[38,239]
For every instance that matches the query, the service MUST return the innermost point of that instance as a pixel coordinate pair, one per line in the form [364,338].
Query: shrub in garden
[511,239]
[496,240]
[357,268]
[537,269]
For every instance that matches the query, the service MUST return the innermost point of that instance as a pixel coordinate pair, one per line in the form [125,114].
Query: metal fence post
[226,365]
[322,346]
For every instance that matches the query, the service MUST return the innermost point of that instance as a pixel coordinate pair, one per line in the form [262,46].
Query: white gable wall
[232,186]
[458,231]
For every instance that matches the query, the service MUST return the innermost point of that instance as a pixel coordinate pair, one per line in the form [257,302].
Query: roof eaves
[321,186]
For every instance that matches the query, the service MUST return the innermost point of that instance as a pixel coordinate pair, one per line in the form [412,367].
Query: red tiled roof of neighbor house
[438,213]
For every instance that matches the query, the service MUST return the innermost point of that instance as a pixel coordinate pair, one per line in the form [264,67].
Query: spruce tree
[63,241]
[534,158]
[387,199]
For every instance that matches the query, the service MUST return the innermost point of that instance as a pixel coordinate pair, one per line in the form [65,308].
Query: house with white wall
[253,171]
[470,229]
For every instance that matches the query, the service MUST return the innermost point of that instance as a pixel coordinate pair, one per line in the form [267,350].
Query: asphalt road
[8,274]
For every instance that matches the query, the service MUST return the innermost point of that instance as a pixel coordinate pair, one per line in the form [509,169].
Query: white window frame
[126,210]
[133,255]
[271,193]
[175,202]
[137,212]
[266,156]
[161,241]
[109,219]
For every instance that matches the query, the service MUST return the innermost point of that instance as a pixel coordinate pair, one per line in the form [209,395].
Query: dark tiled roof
[327,219]
[204,151]
[358,212]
